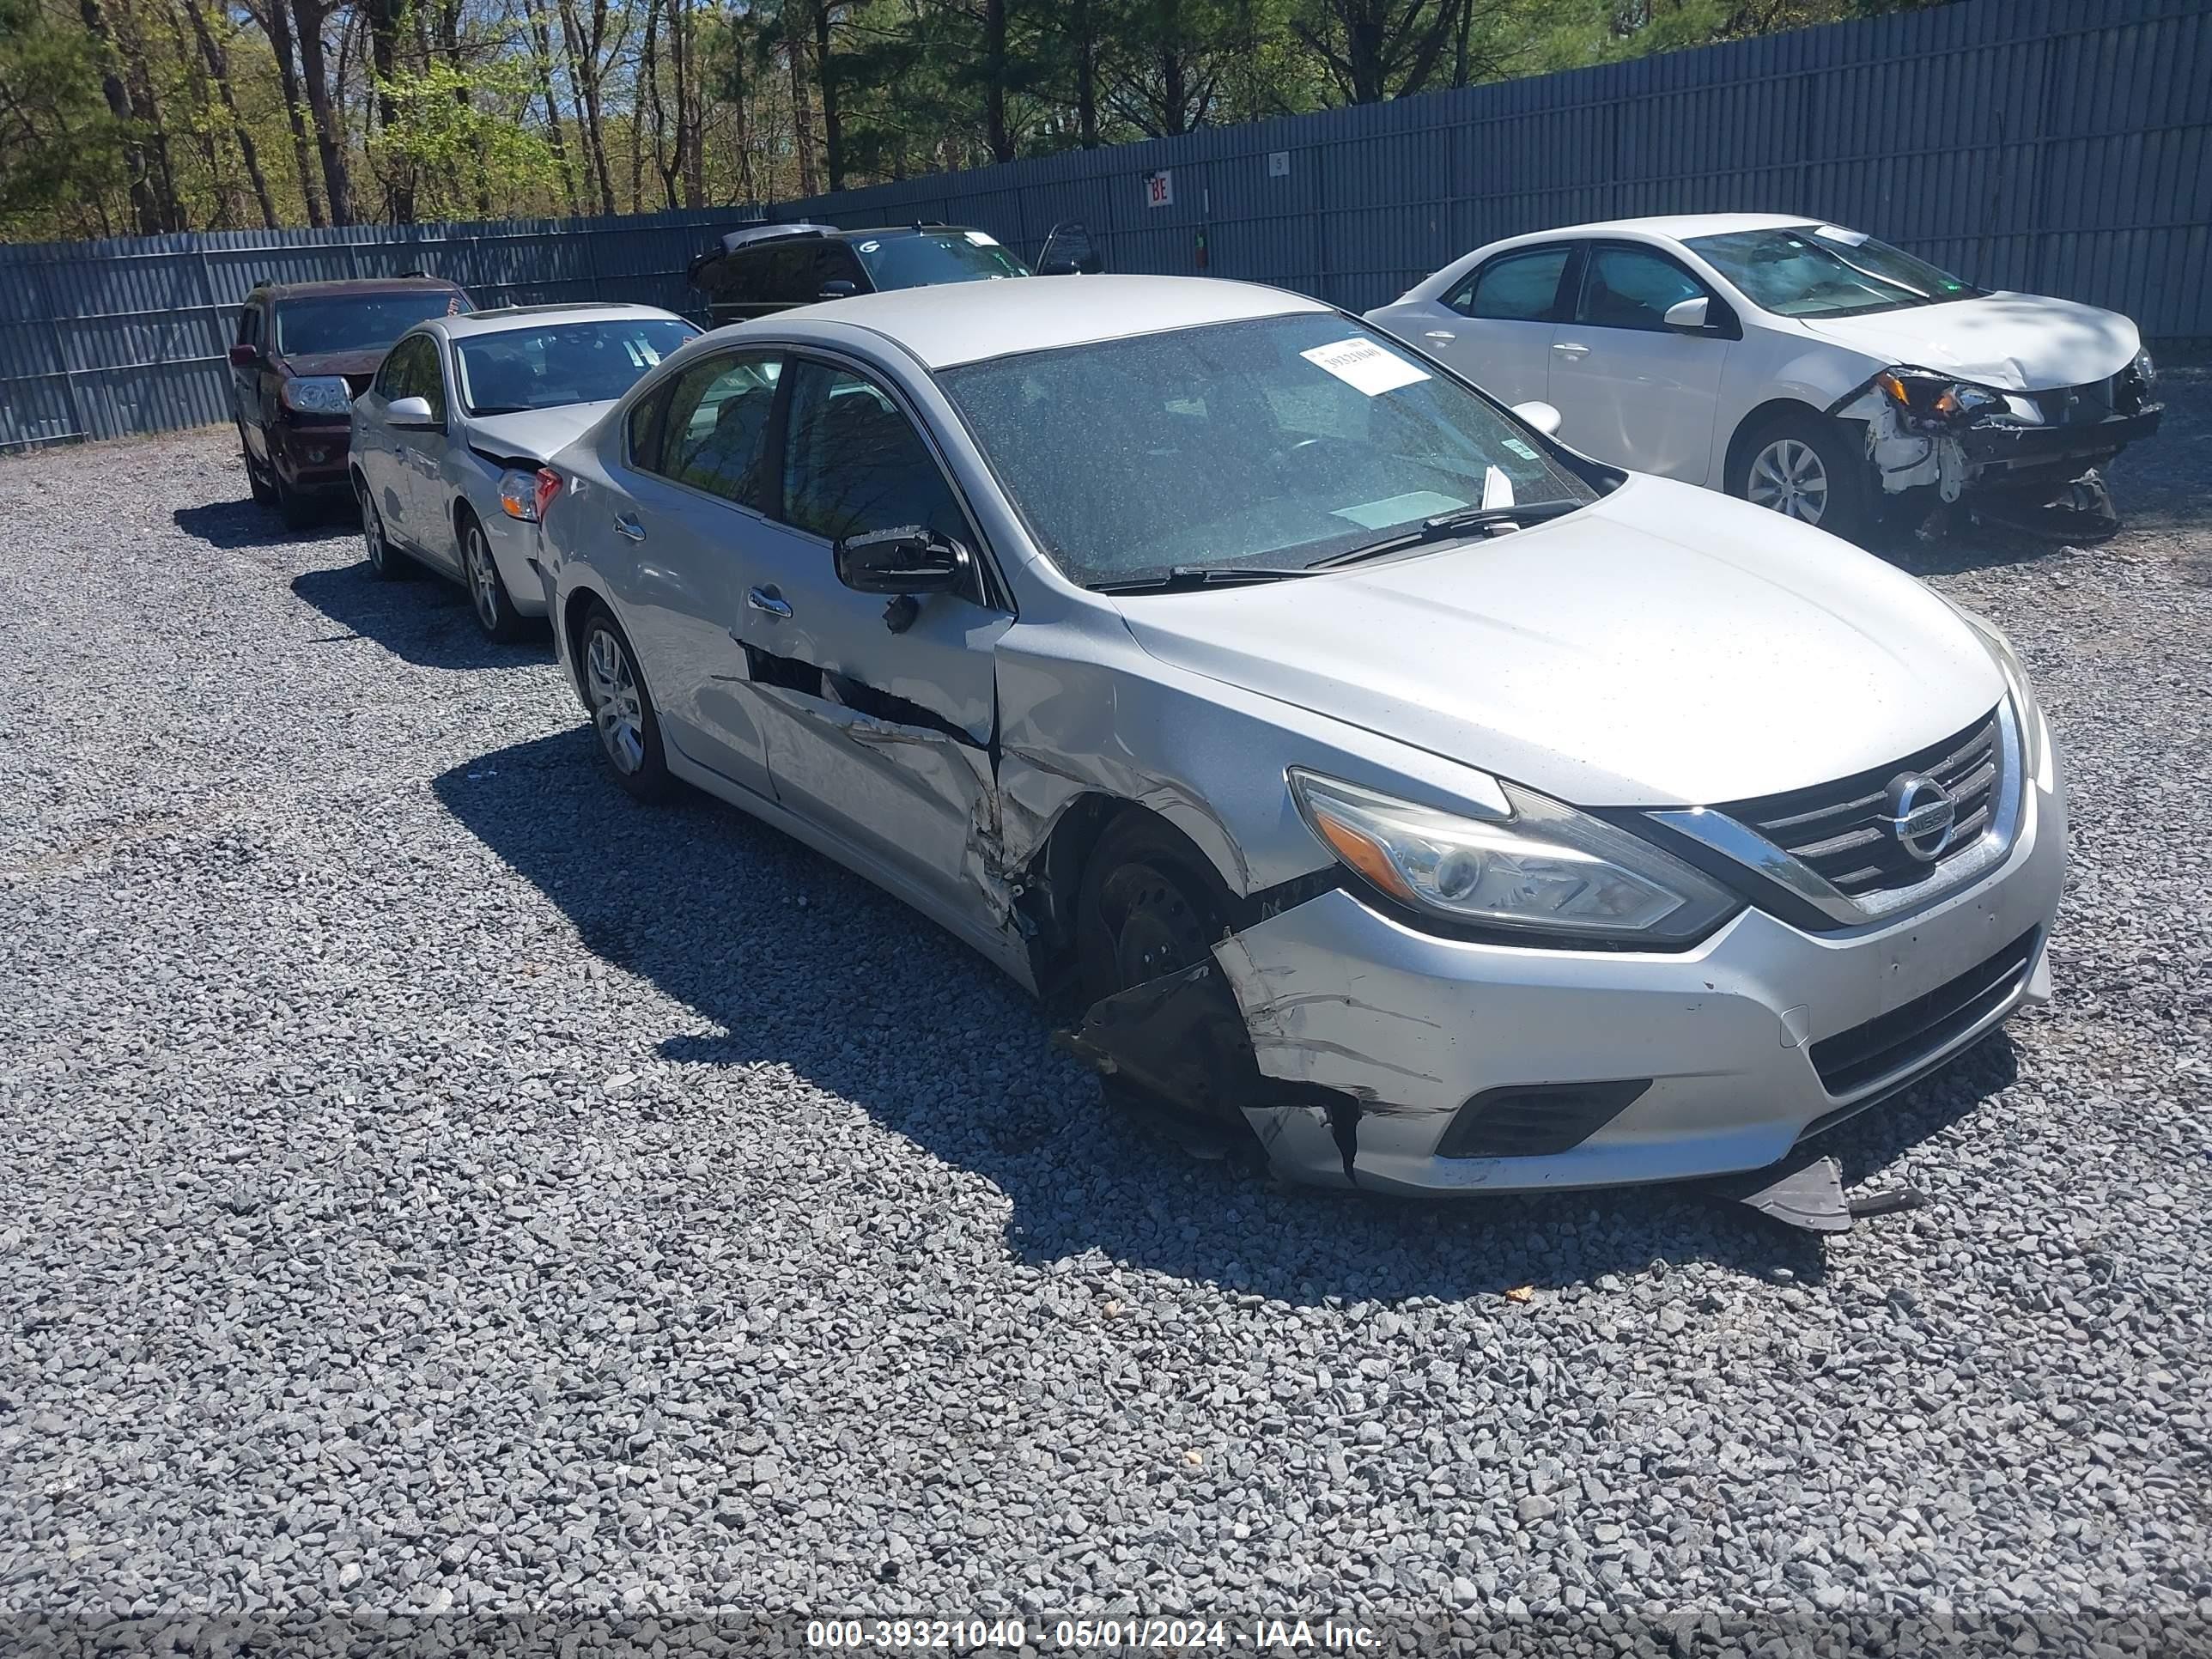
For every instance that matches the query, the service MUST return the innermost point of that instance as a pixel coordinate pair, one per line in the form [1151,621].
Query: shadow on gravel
[427,620]
[247,523]
[805,966]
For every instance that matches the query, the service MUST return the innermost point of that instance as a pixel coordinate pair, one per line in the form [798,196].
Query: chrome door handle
[1570,348]
[768,600]
[628,527]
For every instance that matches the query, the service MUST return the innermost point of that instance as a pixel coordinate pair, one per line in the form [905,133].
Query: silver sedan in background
[448,439]
[1367,773]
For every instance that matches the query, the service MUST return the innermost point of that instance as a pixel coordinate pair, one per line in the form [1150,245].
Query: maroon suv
[304,350]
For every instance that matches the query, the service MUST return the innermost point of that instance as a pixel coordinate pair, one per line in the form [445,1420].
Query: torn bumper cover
[1926,431]
[1364,1051]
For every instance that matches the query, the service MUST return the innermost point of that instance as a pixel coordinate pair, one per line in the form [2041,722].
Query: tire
[623,715]
[297,510]
[263,492]
[1151,905]
[1806,467]
[386,562]
[488,596]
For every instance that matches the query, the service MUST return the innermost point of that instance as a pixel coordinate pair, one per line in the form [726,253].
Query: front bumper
[1995,452]
[312,456]
[1412,1026]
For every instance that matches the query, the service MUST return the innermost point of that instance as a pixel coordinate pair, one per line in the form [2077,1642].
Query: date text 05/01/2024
[1167,1635]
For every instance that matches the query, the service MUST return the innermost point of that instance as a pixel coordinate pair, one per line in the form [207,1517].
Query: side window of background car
[249,325]
[854,463]
[392,378]
[427,378]
[1516,286]
[713,433]
[1632,288]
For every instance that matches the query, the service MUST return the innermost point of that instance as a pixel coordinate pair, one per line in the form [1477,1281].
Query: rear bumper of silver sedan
[1418,1064]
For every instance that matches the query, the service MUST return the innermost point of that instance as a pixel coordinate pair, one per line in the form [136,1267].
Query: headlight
[2146,370]
[1919,392]
[318,394]
[518,494]
[2032,730]
[1544,868]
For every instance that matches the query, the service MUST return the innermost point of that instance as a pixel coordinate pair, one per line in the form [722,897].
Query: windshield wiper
[1185,576]
[1453,523]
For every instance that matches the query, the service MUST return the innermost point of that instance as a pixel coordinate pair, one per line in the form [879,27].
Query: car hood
[1665,647]
[357,368]
[2017,342]
[535,434]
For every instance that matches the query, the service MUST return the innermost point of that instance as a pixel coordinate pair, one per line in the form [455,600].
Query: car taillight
[549,486]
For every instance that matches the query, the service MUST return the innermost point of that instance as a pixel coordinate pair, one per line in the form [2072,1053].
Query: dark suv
[303,351]
[764,269]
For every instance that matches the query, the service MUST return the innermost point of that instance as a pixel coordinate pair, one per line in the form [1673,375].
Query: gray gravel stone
[436,1184]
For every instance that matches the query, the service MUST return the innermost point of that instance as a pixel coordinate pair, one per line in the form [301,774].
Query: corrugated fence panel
[2060,146]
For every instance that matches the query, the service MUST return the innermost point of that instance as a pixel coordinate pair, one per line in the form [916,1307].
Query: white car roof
[966,322]
[1675,226]
[469,324]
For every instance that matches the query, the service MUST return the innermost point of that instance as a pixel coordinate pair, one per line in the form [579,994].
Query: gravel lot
[436,1184]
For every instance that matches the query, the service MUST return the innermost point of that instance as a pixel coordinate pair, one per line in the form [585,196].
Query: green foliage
[455,133]
[510,107]
[61,152]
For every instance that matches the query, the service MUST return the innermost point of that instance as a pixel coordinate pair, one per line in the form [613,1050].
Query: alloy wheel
[371,535]
[616,710]
[1788,476]
[483,580]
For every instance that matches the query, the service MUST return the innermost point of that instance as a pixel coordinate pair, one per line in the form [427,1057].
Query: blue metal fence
[2055,146]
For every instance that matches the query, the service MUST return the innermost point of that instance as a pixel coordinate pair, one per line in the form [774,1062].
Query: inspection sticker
[1838,233]
[983,239]
[1521,449]
[1364,364]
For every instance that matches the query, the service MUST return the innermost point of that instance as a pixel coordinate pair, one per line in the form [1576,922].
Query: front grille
[2098,400]
[1836,829]
[1908,1034]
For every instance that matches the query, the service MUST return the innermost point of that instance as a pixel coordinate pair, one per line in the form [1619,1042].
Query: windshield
[935,256]
[543,368]
[358,322]
[1285,440]
[1824,270]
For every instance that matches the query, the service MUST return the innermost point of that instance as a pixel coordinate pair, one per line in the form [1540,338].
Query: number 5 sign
[1159,189]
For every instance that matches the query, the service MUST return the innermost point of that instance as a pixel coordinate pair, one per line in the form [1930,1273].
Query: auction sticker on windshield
[1364,365]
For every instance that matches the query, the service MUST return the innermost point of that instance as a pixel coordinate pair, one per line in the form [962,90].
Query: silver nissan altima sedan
[1361,769]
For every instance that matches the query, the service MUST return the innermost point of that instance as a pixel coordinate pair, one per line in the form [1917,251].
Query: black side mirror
[1091,263]
[905,560]
[1056,268]
[838,288]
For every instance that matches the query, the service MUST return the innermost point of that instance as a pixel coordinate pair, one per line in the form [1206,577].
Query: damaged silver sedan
[1362,770]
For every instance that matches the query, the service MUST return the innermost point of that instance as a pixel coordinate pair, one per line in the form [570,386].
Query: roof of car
[467,324]
[356,285]
[966,322]
[1677,227]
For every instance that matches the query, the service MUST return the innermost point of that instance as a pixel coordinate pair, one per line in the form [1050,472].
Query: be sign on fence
[1159,189]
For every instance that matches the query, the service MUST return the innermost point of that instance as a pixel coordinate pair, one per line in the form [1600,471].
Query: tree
[1378,49]
[62,146]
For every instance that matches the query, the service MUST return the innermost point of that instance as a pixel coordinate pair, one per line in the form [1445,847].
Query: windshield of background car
[934,256]
[1284,440]
[519,368]
[1823,271]
[357,322]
